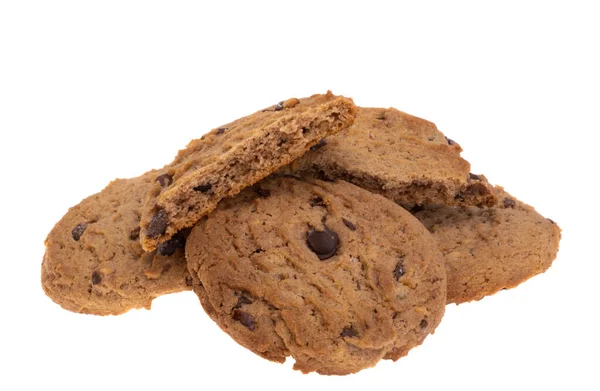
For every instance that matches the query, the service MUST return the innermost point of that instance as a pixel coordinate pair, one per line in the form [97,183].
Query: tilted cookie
[328,273]
[94,262]
[487,250]
[234,156]
[400,156]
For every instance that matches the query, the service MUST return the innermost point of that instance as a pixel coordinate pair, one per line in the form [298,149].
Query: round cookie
[94,262]
[487,250]
[328,273]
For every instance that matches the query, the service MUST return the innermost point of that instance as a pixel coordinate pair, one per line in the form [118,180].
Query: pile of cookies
[313,229]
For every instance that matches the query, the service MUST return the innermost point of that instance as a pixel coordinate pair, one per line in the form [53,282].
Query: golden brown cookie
[402,157]
[234,156]
[94,262]
[491,249]
[328,273]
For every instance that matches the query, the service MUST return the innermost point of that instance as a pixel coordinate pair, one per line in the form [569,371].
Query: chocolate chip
[169,247]
[134,234]
[473,176]
[349,332]
[96,278]
[78,231]
[399,270]
[318,145]
[243,300]
[189,281]
[164,180]
[158,224]
[450,141]
[508,203]
[282,141]
[423,324]
[220,131]
[203,188]
[381,116]
[279,106]
[317,201]
[323,243]
[348,224]
[305,130]
[264,193]
[552,221]
[244,318]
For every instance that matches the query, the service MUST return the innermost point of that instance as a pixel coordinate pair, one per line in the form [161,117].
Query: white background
[90,91]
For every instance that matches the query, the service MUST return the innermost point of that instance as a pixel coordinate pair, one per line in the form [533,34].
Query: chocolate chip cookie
[94,262]
[405,158]
[491,249]
[234,156]
[328,273]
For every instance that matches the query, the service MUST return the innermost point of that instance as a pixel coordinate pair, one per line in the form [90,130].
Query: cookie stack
[313,229]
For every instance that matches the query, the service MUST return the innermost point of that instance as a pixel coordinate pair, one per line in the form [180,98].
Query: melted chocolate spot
[164,180]
[134,234]
[348,224]
[96,278]
[399,270]
[78,231]
[158,224]
[203,188]
[318,145]
[244,318]
[349,332]
[323,243]
[508,203]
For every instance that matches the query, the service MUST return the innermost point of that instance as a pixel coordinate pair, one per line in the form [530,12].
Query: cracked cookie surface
[234,156]
[94,262]
[328,273]
[490,249]
[400,156]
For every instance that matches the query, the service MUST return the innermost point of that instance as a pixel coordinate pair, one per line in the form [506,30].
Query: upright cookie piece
[328,273]
[234,156]
[94,262]
[491,249]
[401,157]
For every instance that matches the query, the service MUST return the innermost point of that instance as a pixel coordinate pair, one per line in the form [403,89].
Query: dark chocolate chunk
[264,193]
[78,231]
[423,324]
[96,278]
[323,243]
[134,234]
[399,270]
[349,332]
[508,203]
[348,224]
[473,176]
[318,145]
[317,201]
[164,180]
[244,318]
[220,131]
[158,224]
[279,106]
[243,300]
[203,188]
[169,247]
[450,141]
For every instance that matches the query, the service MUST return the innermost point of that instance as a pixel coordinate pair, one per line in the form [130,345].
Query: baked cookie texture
[94,262]
[234,156]
[490,249]
[402,157]
[328,273]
